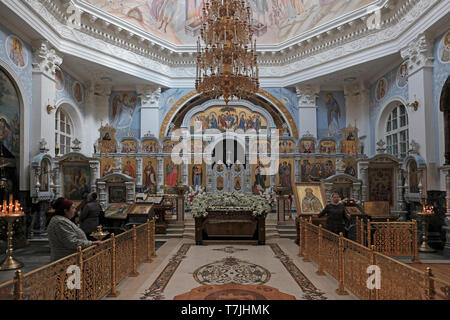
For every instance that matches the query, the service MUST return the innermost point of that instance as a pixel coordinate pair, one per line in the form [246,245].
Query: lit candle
[10,199]
[17,205]
[5,207]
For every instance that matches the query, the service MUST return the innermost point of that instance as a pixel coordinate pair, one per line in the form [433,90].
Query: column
[307,109]
[160,174]
[149,109]
[139,172]
[357,101]
[400,200]
[419,56]
[364,177]
[95,174]
[45,61]
[97,111]
[446,228]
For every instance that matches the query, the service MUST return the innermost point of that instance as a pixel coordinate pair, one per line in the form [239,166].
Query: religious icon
[284,174]
[402,75]
[307,146]
[237,184]
[286,146]
[123,106]
[327,146]
[14,47]
[129,167]
[167,14]
[445,56]
[350,141]
[106,166]
[333,113]
[150,146]
[171,174]
[310,197]
[197,175]
[149,175]
[107,141]
[76,182]
[59,80]
[259,178]
[78,92]
[381,89]
[129,146]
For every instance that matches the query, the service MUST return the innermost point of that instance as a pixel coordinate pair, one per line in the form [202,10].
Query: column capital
[418,53]
[149,95]
[307,94]
[45,58]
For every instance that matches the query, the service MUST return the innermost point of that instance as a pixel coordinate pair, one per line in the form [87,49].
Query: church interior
[224,150]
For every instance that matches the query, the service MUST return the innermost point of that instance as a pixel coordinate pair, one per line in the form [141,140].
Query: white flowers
[202,203]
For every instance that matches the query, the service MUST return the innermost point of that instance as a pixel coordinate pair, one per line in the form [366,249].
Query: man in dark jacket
[89,217]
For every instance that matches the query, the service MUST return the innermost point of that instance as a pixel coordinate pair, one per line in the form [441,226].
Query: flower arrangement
[350,202]
[192,193]
[202,203]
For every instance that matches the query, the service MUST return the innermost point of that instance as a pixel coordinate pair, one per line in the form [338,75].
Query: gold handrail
[103,257]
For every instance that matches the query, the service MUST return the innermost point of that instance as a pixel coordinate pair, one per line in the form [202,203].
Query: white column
[357,100]
[96,114]
[419,55]
[149,109]
[45,61]
[307,109]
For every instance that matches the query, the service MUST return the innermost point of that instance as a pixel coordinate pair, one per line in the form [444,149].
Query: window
[397,132]
[63,132]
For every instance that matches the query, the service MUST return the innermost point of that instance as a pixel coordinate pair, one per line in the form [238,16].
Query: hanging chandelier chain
[227,65]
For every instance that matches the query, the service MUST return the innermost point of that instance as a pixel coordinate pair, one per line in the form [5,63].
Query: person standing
[65,236]
[336,215]
[90,216]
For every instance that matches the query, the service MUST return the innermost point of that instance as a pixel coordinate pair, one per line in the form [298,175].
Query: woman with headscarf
[90,216]
[65,236]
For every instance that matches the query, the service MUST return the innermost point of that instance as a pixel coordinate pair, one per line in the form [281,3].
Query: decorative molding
[45,58]
[418,53]
[149,95]
[307,95]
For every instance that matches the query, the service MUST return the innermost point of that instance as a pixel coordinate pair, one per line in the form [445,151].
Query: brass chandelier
[227,66]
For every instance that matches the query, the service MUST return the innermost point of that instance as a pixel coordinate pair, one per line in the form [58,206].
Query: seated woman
[336,215]
[64,235]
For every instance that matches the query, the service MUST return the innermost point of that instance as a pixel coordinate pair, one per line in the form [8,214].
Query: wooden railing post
[134,273]
[373,293]
[18,285]
[153,245]
[80,265]
[341,290]
[429,285]
[320,262]
[300,236]
[369,236]
[414,242]
[149,245]
[361,228]
[306,233]
[114,292]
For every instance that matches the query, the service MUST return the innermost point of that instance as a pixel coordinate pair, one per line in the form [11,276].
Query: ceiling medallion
[227,66]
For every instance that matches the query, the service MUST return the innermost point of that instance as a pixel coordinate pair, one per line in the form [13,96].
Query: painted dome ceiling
[275,21]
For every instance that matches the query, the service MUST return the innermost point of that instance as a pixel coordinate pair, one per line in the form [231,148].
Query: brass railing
[101,269]
[389,238]
[348,261]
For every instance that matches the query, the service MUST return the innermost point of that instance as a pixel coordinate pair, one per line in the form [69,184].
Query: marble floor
[181,266]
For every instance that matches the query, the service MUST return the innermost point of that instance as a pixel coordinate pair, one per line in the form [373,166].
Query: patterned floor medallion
[234,292]
[231,270]
[230,250]
[155,292]
[311,292]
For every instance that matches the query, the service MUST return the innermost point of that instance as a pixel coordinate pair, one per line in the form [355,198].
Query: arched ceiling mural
[275,21]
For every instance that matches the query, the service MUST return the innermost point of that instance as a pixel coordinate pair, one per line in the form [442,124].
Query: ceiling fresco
[275,21]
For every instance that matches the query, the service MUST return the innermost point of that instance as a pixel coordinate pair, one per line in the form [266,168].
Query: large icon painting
[76,181]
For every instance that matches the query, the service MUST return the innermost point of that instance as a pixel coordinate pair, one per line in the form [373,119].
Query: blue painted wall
[66,91]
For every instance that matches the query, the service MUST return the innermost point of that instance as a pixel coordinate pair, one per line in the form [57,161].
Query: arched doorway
[445,108]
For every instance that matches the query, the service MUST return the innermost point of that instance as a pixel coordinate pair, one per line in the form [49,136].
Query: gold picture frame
[314,203]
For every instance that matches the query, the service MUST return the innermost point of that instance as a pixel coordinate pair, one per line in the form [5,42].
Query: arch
[387,108]
[77,120]
[277,105]
[25,125]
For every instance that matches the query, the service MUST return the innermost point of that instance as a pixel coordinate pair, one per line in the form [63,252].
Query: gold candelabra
[99,234]
[227,65]
[10,213]
[427,211]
